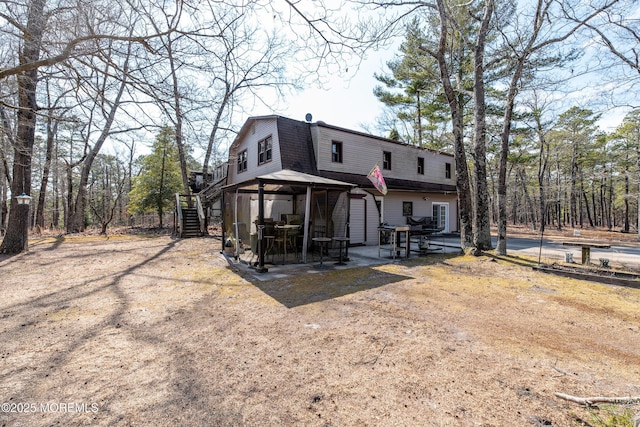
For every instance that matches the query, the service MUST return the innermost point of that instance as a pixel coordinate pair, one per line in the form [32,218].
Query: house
[332,192]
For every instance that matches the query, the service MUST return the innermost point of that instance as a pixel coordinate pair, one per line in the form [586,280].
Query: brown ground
[135,330]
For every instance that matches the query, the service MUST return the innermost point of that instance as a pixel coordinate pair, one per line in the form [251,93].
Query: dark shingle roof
[296,146]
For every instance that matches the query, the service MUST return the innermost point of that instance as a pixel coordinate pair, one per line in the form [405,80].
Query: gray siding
[361,152]
[306,147]
[257,130]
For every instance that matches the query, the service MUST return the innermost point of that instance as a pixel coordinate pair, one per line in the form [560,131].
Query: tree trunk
[14,241]
[542,168]
[5,178]
[3,203]
[160,201]
[586,204]
[626,200]
[603,207]
[559,194]
[482,223]
[574,183]
[527,197]
[579,200]
[638,198]
[51,132]
[178,123]
[212,135]
[455,104]
[76,220]
[610,217]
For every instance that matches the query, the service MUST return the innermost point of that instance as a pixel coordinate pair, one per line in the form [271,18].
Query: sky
[346,101]
[349,101]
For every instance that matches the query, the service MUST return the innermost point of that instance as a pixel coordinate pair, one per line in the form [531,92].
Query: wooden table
[341,240]
[393,234]
[586,248]
[284,230]
[322,242]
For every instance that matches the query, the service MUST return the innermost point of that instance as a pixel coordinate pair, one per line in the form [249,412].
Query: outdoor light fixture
[23,199]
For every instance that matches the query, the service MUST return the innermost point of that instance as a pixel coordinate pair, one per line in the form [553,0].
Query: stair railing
[201,214]
[178,223]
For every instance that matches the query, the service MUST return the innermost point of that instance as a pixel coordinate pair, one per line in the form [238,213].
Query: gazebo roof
[290,181]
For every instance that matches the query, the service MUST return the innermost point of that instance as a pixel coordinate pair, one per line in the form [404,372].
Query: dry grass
[156,331]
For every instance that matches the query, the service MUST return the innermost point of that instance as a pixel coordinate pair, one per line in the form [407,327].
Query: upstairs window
[447,170]
[386,160]
[336,152]
[264,151]
[242,161]
[420,165]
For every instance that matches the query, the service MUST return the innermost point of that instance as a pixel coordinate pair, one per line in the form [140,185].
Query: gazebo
[290,189]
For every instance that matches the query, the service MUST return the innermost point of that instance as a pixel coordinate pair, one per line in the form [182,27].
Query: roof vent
[308,117]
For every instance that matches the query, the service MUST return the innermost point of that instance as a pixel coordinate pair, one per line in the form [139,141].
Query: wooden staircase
[190,223]
[190,220]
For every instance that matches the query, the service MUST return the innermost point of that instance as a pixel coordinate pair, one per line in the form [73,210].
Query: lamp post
[23,204]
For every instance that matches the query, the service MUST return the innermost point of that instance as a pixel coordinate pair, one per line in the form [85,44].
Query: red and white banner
[375,176]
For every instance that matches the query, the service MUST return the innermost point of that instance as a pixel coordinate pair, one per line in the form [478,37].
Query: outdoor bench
[586,249]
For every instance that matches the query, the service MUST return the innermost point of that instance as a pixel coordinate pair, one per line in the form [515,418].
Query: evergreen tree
[627,147]
[575,138]
[160,177]
[413,93]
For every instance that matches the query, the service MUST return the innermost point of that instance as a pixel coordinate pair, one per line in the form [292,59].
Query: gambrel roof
[297,154]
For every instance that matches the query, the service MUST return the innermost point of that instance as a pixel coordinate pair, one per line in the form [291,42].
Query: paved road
[620,254]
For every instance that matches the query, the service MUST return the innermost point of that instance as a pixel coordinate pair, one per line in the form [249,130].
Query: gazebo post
[348,225]
[307,215]
[261,268]
[223,234]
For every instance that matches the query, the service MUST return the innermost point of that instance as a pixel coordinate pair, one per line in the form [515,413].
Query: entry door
[357,222]
[441,215]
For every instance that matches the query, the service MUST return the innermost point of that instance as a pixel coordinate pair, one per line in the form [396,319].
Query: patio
[358,256]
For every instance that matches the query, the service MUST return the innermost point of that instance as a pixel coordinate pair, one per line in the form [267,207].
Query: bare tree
[108,185]
[34,28]
[247,60]
[482,224]
[108,112]
[15,239]
[455,100]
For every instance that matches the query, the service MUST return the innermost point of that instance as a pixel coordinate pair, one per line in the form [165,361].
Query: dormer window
[264,151]
[420,165]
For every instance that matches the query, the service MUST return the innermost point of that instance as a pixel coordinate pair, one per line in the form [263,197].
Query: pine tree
[160,178]
[413,93]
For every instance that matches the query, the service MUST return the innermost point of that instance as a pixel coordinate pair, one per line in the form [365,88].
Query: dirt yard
[147,330]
